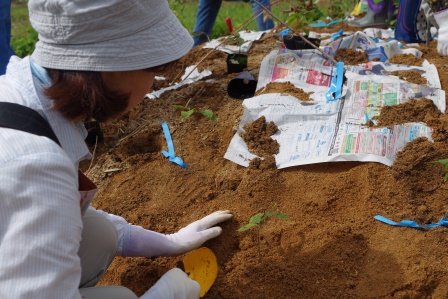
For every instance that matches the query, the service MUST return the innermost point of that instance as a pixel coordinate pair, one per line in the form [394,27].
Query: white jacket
[40,220]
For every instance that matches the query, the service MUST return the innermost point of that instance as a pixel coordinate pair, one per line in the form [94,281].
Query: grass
[23,36]
[239,12]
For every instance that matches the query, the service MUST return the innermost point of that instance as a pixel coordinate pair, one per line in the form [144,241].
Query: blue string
[411,223]
[170,153]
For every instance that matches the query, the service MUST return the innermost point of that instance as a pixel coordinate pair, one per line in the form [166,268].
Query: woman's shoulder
[16,144]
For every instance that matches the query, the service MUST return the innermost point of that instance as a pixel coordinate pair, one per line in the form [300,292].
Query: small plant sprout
[186,112]
[445,163]
[235,39]
[258,220]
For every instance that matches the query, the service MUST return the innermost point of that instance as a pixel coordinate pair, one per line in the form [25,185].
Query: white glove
[196,233]
[147,243]
[174,284]
[442,41]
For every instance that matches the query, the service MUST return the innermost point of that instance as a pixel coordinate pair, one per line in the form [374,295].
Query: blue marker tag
[336,22]
[335,91]
[411,223]
[284,32]
[320,23]
[337,34]
[170,153]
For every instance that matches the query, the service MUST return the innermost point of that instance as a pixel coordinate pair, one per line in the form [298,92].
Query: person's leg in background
[258,11]
[411,26]
[440,10]
[379,15]
[97,250]
[5,34]
[412,21]
[205,20]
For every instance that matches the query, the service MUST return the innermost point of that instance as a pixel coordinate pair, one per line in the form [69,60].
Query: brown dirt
[410,111]
[330,247]
[350,56]
[286,88]
[407,59]
[257,136]
[410,76]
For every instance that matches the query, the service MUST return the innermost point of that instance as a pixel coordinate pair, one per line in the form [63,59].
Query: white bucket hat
[106,35]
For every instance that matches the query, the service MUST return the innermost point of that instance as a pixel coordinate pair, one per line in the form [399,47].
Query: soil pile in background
[286,88]
[330,247]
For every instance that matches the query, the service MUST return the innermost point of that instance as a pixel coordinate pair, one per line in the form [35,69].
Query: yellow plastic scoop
[201,265]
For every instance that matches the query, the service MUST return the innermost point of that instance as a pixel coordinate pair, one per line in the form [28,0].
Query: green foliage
[187,112]
[260,219]
[303,14]
[177,6]
[306,12]
[24,45]
[234,39]
[445,163]
[240,59]
[238,11]
[23,36]
[339,9]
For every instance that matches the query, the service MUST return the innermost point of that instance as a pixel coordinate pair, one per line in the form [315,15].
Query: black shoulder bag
[22,118]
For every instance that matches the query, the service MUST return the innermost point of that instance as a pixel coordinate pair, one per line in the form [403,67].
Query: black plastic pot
[242,86]
[236,63]
[294,42]
[95,135]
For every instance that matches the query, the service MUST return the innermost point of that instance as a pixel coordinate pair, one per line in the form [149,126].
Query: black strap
[22,118]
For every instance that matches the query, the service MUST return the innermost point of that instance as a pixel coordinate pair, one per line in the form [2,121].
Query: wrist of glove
[147,243]
[174,284]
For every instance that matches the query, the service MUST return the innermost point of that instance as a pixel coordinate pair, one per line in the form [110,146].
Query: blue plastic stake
[319,24]
[284,32]
[170,153]
[335,91]
[337,34]
[411,223]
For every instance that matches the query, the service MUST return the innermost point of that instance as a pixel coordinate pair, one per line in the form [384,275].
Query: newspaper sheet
[248,36]
[326,131]
[192,75]
[301,68]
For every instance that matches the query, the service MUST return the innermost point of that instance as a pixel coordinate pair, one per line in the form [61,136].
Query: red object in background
[229,24]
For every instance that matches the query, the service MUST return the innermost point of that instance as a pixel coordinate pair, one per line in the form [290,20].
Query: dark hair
[83,93]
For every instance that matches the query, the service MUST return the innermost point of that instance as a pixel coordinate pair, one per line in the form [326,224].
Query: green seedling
[186,112]
[235,59]
[258,220]
[445,163]
[235,39]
